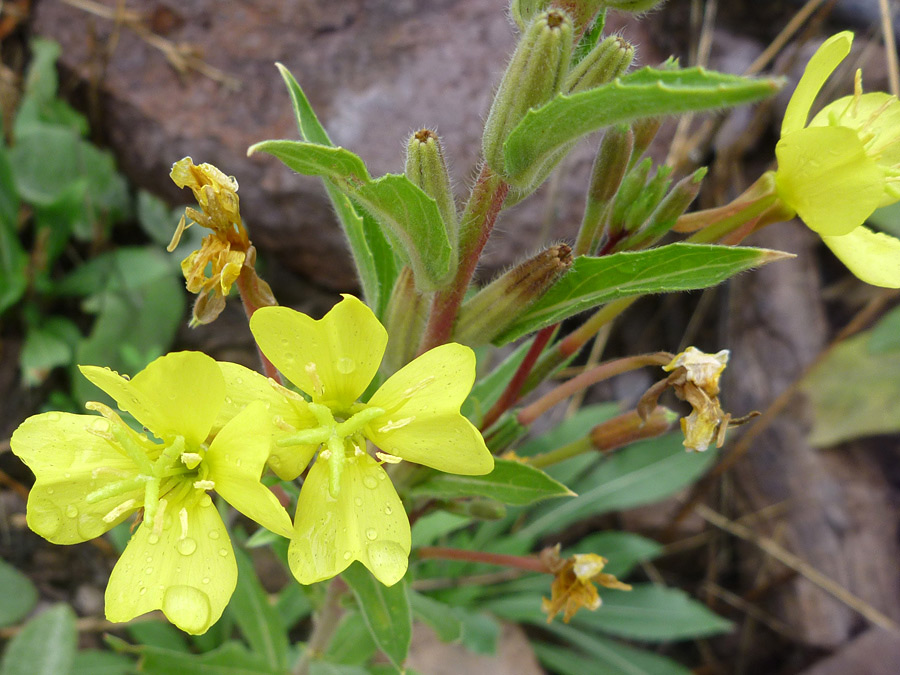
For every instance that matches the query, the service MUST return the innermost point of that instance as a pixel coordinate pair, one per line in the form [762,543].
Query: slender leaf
[328,668]
[96,662]
[639,474]
[510,482]
[232,658]
[643,93]
[259,622]
[410,218]
[481,632]
[594,281]
[885,336]
[606,658]
[386,611]
[19,597]
[46,645]
[293,605]
[352,643]
[652,613]
[438,616]
[307,122]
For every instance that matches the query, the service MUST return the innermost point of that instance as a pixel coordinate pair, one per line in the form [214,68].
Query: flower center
[338,438]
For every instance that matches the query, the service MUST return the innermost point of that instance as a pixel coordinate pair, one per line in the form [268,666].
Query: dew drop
[239,380]
[223,552]
[371,534]
[288,356]
[357,501]
[370,482]
[143,591]
[100,424]
[149,558]
[347,555]
[388,510]
[186,546]
[206,500]
[67,475]
[237,462]
[71,510]
[189,606]
[44,517]
[53,417]
[148,570]
[382,475]
[346,365]
[50,491]
[205,580]
[153,538]
[229,400]
[213,534]
[90,526]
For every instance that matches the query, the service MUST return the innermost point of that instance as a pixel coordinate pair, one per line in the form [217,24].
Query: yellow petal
[874,257]
[366,522]
[236,460]
[820,66]
[178,394]
[825,175]
[187,568]
[422,423]
[287,412]
[69,463]
[333,359]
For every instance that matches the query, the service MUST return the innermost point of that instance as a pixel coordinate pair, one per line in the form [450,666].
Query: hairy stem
[528,562]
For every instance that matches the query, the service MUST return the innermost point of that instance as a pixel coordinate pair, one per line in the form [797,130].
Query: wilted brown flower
[573,585]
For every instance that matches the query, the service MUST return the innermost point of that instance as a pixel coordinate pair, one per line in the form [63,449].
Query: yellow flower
[573,585]
[348,508]
[836,170]
[227,251]
[94,472]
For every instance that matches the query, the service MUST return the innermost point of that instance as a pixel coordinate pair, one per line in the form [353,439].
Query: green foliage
[259,622]
[595,281]
[20,595]
[46,645]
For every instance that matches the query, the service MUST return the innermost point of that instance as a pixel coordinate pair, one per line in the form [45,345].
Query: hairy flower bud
[497,305]
[668,211]
[523,11]
[633,6]
[607,61]
[404,320]
[534,75]
[426,167]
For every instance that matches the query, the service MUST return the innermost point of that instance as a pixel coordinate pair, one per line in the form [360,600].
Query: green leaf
[429,528]
[47,345]
[232,658]
[96,662]
[481,632]
[885,335]
[259,622]
[293,605]
[595,281]
[606,658]
[643,93]
[352,643]
[386,611]
[307,122]
[327,668]
[438,616]
[46,645]
[854,393]
[640,474]
[510,482]
[410,218]
[13,258]
[40,103]
[19,597]
[652,613]
[623,550]
[158,633]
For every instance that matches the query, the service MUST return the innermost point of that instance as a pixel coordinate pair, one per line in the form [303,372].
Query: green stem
[479,216]
[326,621]
[573,449]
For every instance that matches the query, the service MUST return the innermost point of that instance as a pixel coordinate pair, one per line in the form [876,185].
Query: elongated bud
[404,320]
[534,75]
[496,306]
[607,61]
[644,132]
[633,6]
[648,200]
[606,177]
[523,11]
[630,427]
[669,210]
[632,186]
[426,167]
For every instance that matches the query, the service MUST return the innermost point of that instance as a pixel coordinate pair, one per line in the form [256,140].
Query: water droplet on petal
[229,400]
[187,607]
[148,570]
[223,552]
[53,417]
[71,510]
[369,482]
[357,501]
[44,517]
[381,475]
[186,546]
[100,424]
[371,534]
[50,491]
[346,365]
[388,510]
[206,500]
[90,526]
[143,590]
[213,534]
[347,555]
[239,380]
[205,580]
[153,538]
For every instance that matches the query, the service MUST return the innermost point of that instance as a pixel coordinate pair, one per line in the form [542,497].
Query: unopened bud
[632,186]
[633,6]
[644,132]
[630,427]
[479,507]
[496,306]
[648,199]
[668,211]
[534,75]
[606,177]
[404,320]
[607,61]
[523,11]
[426,167]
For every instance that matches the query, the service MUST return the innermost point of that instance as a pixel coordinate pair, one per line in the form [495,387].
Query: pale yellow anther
[119,510]
[159,518]
[388,458]
[204,484]
[183,519]
[395,424]
[313,373]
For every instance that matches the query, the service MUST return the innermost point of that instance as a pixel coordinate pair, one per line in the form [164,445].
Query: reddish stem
[511,394]
[530,563]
